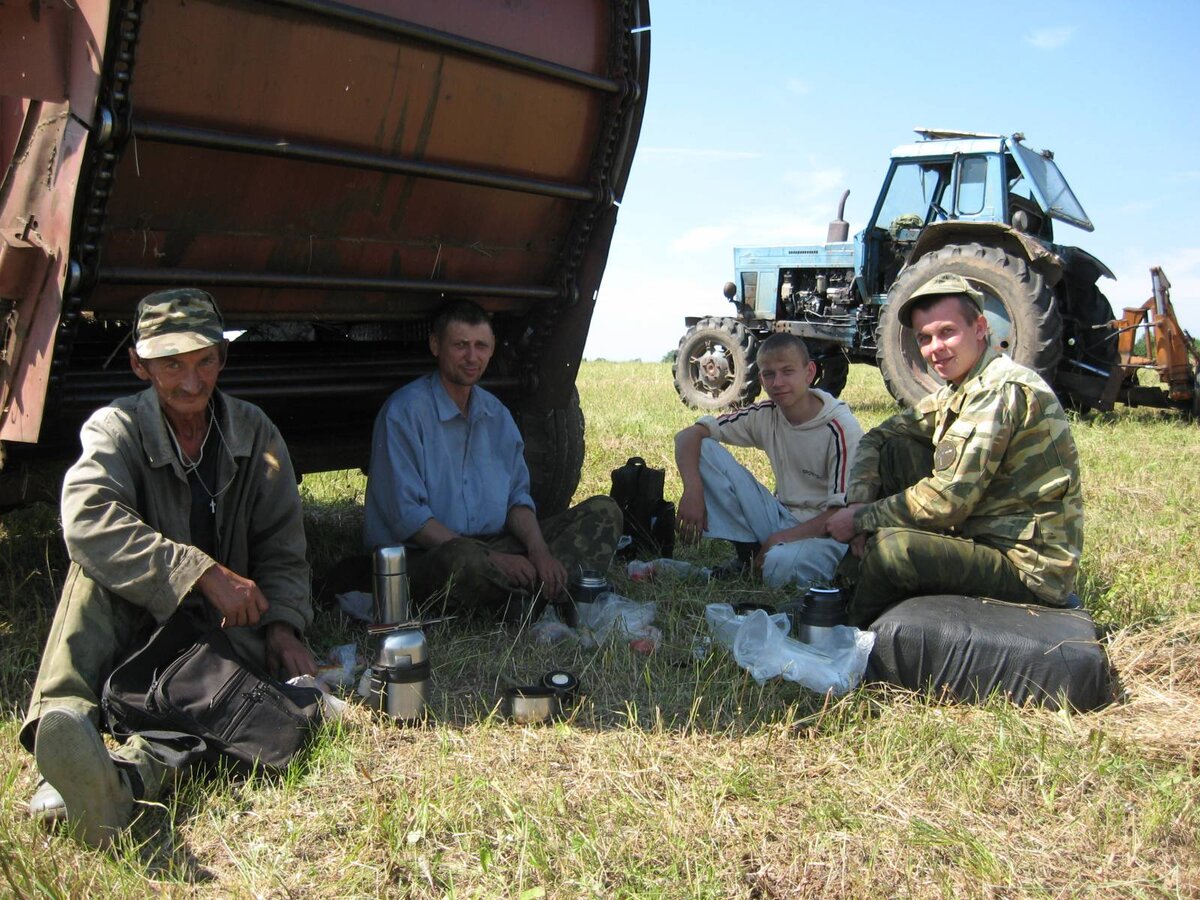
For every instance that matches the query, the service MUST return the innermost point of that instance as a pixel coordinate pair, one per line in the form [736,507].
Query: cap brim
[173,344]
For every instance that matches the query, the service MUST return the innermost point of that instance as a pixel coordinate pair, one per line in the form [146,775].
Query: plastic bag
[611,611]
[761,646]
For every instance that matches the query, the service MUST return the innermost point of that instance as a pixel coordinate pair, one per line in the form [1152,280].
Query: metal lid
[589,578]
[391,561]
[403,647]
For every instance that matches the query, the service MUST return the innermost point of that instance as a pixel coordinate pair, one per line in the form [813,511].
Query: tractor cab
[962,177]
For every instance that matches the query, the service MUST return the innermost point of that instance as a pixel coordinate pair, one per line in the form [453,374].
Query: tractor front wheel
[716,366]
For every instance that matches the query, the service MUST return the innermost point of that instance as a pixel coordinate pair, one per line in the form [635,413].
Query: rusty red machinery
[330,171]
[1170,352]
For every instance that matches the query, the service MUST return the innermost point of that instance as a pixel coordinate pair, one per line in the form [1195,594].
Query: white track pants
[741,509]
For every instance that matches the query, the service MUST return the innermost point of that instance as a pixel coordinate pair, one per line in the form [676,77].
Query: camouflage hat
[177,321]
[946,284]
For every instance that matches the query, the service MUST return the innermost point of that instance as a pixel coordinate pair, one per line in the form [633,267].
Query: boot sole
[71,756]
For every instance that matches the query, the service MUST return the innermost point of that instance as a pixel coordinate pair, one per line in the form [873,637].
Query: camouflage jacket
[1006,473]
[126,503]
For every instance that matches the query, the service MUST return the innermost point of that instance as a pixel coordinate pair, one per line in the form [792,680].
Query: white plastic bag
[761,646]
[612,611]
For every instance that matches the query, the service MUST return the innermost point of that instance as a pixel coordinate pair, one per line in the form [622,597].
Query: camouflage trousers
[458,576]
[94,630]
[899,563]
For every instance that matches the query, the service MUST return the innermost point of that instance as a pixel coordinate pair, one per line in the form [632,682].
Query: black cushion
[968,648]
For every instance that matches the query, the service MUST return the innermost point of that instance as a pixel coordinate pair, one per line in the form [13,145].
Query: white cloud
[799,86]
[1050,38]
[696,153]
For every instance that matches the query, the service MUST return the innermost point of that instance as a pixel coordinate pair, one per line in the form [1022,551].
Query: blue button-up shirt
[429,461]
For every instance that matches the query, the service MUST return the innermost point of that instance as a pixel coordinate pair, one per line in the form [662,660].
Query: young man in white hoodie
[810,439]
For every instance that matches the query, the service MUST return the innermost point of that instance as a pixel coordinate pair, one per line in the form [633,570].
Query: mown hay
[1159,670]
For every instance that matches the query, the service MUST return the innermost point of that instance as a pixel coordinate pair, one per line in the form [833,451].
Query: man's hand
[691,519]
[779,537]
[516,569]
[550,571]
[237,599]
[286,653]
[540,567]
[858,544]
[840,525]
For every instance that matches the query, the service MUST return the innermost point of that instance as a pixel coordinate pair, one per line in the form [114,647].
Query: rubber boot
[72,757]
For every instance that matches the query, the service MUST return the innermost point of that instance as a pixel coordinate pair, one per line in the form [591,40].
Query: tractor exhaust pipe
[839,228]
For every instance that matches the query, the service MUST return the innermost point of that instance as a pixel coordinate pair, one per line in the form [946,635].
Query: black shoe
[740,565]
[730,569]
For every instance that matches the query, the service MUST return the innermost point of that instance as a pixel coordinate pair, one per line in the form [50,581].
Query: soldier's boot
[72,757]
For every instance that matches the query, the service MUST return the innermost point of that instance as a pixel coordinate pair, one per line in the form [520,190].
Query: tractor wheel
[1089,341]
[833,370]
[1023,317]
[716,366]
[553,453]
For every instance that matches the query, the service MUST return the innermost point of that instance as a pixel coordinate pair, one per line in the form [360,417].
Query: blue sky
[761,113]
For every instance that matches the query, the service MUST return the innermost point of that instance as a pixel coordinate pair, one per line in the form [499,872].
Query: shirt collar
[985,359]
[447,409]
[157,443]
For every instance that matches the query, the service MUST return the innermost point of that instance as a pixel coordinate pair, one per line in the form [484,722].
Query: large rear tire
[1023,316]
[1089,346]
[554,447]
[716,366]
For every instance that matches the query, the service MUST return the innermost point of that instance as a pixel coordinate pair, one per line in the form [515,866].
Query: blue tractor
[978,205]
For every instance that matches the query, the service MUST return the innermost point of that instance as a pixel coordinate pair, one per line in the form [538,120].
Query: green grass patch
[676,776]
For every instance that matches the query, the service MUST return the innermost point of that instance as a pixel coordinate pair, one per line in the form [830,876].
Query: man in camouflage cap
[182,499]
[975,490]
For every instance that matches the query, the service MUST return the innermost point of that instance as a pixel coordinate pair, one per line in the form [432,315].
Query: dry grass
[1160,674]
[679,777]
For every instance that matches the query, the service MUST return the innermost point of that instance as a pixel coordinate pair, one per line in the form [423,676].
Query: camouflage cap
[177,321]
[945,284]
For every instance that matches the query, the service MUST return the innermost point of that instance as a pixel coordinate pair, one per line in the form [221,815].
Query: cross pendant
[212,505]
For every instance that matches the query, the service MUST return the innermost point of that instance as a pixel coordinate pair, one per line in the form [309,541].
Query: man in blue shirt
[448,479]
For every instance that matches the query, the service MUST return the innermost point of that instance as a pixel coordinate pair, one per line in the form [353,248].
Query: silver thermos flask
[400,677]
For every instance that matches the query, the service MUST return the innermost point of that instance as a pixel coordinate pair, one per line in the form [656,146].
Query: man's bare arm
[432,534]
[692,515]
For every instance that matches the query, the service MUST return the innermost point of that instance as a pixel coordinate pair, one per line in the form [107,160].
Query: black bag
[649,519]
[188,680]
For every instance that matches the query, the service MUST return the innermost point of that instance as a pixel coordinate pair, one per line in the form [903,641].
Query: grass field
[684,778]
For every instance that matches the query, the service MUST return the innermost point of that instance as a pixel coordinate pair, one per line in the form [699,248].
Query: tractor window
[911,192]
[972,185]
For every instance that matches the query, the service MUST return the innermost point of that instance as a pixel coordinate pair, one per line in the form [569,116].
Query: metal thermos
[400,681]
[391,586]
[400,674]
[824,608]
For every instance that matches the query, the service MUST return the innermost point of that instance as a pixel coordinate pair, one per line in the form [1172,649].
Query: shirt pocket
[949,453]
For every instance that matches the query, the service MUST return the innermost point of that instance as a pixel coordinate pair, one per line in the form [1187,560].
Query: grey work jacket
[126,503]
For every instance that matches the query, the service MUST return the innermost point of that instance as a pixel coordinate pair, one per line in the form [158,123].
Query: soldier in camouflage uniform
[448,479]
[975,490]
